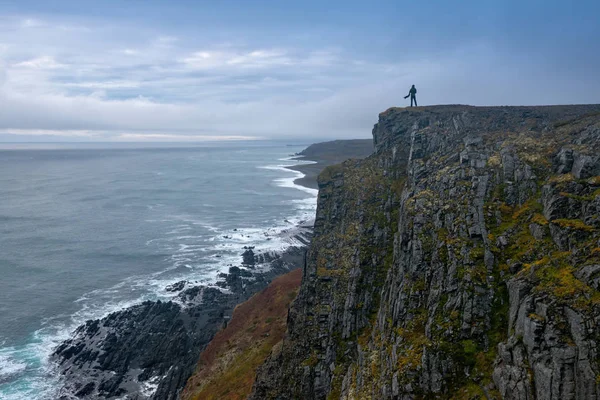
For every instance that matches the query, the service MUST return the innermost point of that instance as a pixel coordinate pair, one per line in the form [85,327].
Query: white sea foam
[289,181]
[16,361]
[10,366]
[148,388]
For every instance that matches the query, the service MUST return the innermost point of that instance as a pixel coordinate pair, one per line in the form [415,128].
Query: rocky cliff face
[461,260]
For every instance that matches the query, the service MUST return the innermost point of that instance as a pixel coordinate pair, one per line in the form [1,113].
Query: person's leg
[416,101]
[411,100]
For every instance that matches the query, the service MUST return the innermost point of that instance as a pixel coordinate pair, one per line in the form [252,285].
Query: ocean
[87,229]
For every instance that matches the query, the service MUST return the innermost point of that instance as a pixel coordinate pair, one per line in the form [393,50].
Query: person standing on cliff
[412,93]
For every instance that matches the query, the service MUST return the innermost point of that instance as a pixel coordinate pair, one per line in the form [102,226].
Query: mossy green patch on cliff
[514,227]
[535,149]
[412,342]
[311,361]
[553,273]
[539,219]
[330,172]
[494,160]
[555,276]
[561,179]
[589,197]
[337,261]
[574,224]
[477,253]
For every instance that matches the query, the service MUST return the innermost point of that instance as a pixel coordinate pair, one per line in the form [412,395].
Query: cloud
[104,84]
[168,137]
[165,41]
[2,73]
[43,62]
[122,136]
[263,58]
[130,52]
[31,23]
[49,132]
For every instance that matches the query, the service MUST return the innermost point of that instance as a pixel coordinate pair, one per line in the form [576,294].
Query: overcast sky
[150,70]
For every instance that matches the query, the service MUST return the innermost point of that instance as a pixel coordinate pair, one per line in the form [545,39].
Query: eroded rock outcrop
[461,260]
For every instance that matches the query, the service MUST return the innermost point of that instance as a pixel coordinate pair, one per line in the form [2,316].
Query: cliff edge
[460,260]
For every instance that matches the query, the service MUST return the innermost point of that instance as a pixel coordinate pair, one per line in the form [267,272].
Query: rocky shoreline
[149,350]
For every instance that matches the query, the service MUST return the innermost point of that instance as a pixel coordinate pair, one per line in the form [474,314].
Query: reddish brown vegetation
[227,367]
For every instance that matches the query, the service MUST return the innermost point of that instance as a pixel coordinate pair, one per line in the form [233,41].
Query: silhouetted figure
[412,92]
